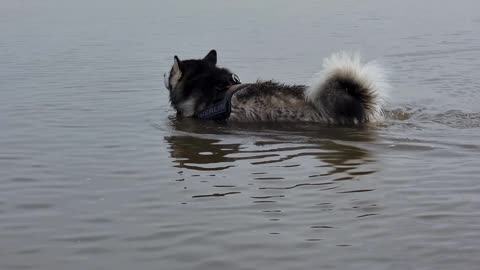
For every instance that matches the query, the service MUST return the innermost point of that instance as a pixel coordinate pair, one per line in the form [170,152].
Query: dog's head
[196,84]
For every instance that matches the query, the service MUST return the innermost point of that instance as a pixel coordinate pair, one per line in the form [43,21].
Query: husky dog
[345,92]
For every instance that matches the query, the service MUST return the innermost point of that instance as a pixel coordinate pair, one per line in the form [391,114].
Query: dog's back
[346,92]
[272,101]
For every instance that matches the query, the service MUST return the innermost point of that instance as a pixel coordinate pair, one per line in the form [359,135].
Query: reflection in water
[207,146]
[193,152]
[275,164]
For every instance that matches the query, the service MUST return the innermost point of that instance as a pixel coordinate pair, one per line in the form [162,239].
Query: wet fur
[346,93]
[273,101]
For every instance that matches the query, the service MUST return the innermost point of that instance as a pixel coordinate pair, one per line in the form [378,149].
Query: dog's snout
[165,81]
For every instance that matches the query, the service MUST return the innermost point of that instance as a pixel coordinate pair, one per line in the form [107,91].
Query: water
[96,172]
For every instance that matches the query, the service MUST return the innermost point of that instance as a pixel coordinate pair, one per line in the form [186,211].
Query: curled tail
[349,92]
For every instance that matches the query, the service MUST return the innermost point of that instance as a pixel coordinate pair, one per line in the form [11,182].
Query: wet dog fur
[345,92]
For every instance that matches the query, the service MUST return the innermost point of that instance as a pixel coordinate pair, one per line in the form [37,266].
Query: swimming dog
[345,92]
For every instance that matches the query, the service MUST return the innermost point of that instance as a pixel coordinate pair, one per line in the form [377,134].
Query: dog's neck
[221,110]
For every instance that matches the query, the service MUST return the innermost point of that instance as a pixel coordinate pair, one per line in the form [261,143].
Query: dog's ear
[177,65]
[211,57]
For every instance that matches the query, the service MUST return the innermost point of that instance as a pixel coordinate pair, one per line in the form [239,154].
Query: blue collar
[217,111]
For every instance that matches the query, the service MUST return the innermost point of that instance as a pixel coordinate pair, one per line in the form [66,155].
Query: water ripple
[97,172]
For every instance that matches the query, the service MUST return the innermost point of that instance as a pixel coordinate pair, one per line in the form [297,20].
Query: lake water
[96,172]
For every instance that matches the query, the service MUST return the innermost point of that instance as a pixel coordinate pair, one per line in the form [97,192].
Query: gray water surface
[97,173]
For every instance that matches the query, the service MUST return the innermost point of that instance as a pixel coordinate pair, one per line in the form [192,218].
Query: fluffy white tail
[349,92]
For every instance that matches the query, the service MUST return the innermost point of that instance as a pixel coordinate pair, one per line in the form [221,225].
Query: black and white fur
[345,92]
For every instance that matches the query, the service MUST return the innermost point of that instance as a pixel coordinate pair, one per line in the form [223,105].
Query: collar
[221,110]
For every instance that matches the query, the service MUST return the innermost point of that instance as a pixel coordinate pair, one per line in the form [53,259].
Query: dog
[345,92]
